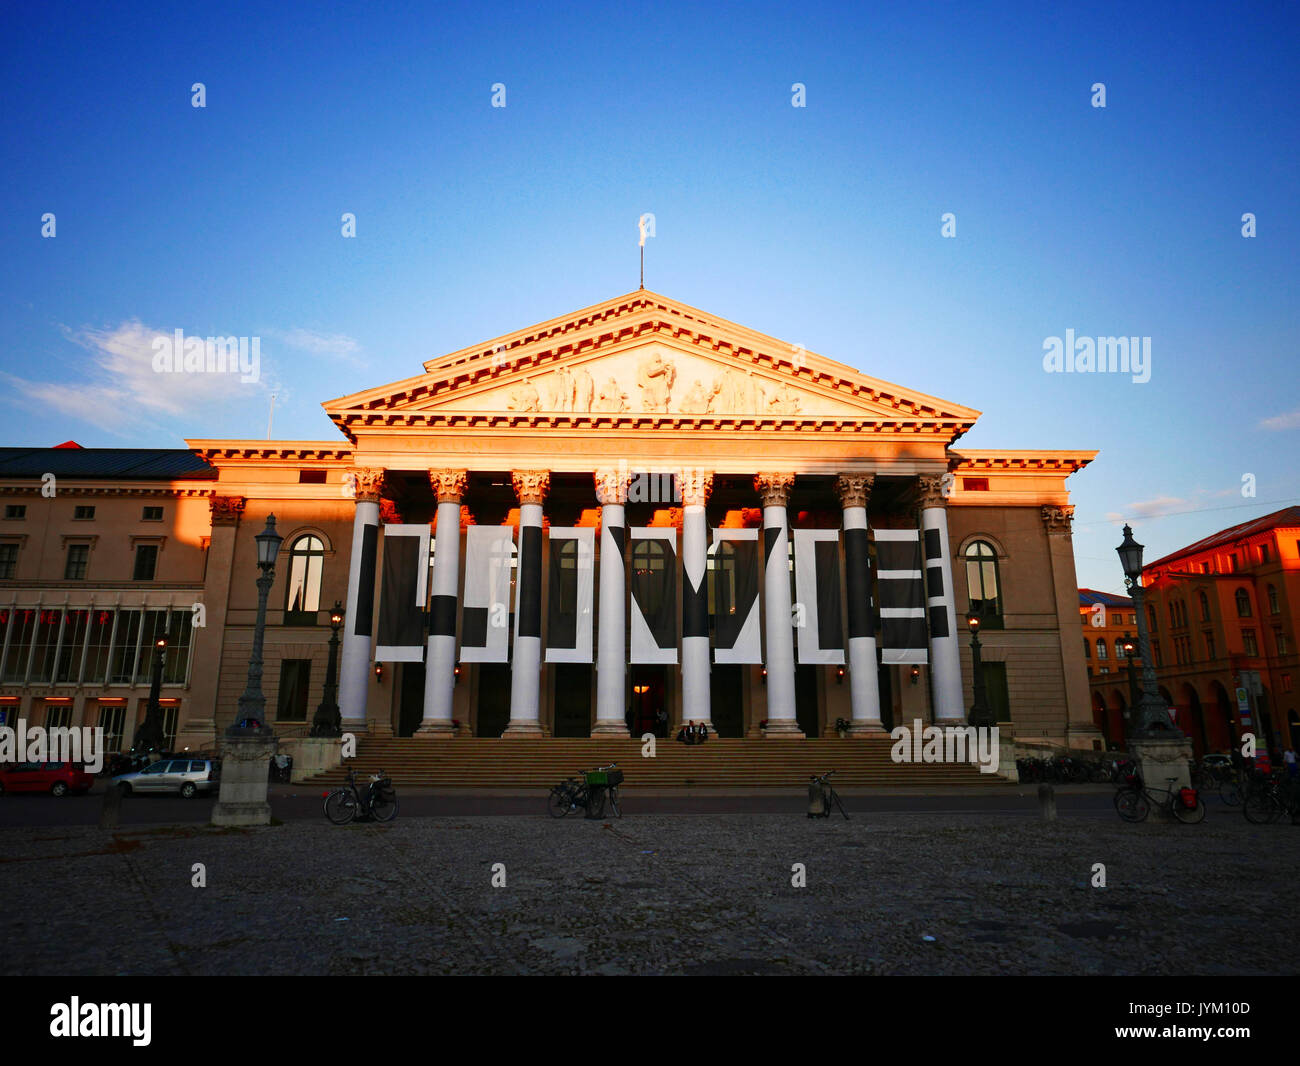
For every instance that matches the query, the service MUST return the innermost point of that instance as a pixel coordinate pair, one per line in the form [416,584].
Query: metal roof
[1089,597]
[1288,516]
[127,464]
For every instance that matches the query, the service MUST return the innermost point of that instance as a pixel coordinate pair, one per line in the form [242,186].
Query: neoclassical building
[635,511]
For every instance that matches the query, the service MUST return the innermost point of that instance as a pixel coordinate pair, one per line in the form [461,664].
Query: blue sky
[819,225]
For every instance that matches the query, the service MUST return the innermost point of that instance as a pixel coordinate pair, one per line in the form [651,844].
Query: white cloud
[1290,420]
[120,387]
[1161,505]
[336,345]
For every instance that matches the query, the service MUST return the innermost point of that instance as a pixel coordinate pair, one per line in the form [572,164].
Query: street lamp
[1129,647]
[1150,719]
[252,704]
[150,736]
[980,715]
[326,722]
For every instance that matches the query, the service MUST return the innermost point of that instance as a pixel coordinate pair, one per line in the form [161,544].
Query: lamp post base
[245,758]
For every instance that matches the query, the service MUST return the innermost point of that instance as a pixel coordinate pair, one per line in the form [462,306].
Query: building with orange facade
[1109,624]
[564,531]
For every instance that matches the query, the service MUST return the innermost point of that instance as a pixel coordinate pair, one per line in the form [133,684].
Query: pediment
[644,354]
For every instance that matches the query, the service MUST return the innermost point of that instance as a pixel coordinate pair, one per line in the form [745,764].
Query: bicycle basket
[597,777]
[1187,797]
[615,777]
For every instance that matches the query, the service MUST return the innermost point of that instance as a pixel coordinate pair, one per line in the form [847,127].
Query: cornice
[66,489]
[1004,460]
[281,451]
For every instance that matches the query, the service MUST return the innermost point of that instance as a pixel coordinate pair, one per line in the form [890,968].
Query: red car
[57,778]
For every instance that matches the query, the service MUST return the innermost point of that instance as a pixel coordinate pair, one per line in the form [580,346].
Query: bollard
[108,814]
[1047,802]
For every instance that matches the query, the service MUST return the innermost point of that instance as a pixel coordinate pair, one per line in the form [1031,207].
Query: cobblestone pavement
[708,894]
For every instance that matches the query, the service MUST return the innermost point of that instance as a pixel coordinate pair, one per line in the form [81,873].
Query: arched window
[1173,614]
[1101,648]
[651,578]
[1151,618]
[1243,603]
[1205,606]
[306,562]
[1273,607]
[982,584]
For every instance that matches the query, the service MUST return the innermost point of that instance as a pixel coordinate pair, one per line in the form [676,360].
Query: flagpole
[643,266]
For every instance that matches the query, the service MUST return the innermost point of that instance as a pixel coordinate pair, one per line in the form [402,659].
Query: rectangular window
[112,719]
[22,625]
[1263,553]
[311,477]
[58,715]
[1286,682]
[179,634]
[169,715]
[1279,638]
[1155,653]
[68,666]
[83,513]
[101,636]
[15,510]
[152,514]
[975,484]
[146,562]
[48,623]
[1205,568]
[1103,669]
[1248,639]
[155,626]
[1210,652]
[295,675]
[124,644]
[78,560]
[8,560]
[1233,559]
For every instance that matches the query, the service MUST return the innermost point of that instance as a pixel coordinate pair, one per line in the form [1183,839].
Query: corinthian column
[864,682]
[440,675]
[611,652]
[945,660]
[695,486]
[775,490]
[526,667]
[358,622]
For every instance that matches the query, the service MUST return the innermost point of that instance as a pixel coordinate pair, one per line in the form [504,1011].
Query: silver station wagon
[187,777]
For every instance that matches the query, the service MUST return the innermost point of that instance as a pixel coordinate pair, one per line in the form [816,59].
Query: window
[1243,603]
[67,667]
[112,720]
[1205,568]
[1286,682]
[146,562]
[295,675]
[1151,618]
[1104,670]
[1279,640]
[1101,648]
[1205,606]
[1155,653]
[1248,639]
[975,484]
[1233,560]
[78,559]
[306,561]
[15,510]
[1119,648]
[311,477]
[1087,648]
[1173,614]
[982,585]
[1263,553]
[83,513]
[1273,607]
[151,514]
[1210,651]
[8,560]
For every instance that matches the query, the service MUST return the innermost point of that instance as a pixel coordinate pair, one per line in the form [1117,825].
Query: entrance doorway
[572,700]
[727,700]
[410,708]
[493,699]
[884,681]
[648,684]
[805,699]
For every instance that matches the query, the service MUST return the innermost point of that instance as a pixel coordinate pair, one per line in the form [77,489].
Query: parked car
[1217,761]
[187,776]
[56,778]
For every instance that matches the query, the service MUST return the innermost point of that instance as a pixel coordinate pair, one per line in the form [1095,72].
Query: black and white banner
[901,587]
[736,635]
[817,586]
[654,595]
[570,595]
[403,590]
[485,614]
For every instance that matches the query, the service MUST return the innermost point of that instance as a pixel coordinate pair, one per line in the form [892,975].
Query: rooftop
[1288,516]
[127,464]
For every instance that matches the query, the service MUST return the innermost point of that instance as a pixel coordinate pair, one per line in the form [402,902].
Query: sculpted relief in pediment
[651,380]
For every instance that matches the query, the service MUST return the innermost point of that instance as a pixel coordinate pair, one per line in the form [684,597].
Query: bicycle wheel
[1230,793]
[340,806]
[1259,808]
[558,803]
[1190,817]
[1131,805]
[596,803]
[613,802]
[384,811]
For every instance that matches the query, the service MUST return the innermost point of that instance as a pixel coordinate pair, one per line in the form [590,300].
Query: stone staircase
[540,763]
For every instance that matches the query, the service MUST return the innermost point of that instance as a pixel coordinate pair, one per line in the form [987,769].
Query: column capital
[611,485]
[695,486]
[1057,519]
[226,510]
[934,489]
[368,483]
[531,486]
[448,485]
[854,489]
[775,489]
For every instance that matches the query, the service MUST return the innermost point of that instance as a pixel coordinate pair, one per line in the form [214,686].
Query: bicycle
[378,801]
[1133,802]
[1269,799]
[822,797]
[589,790]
